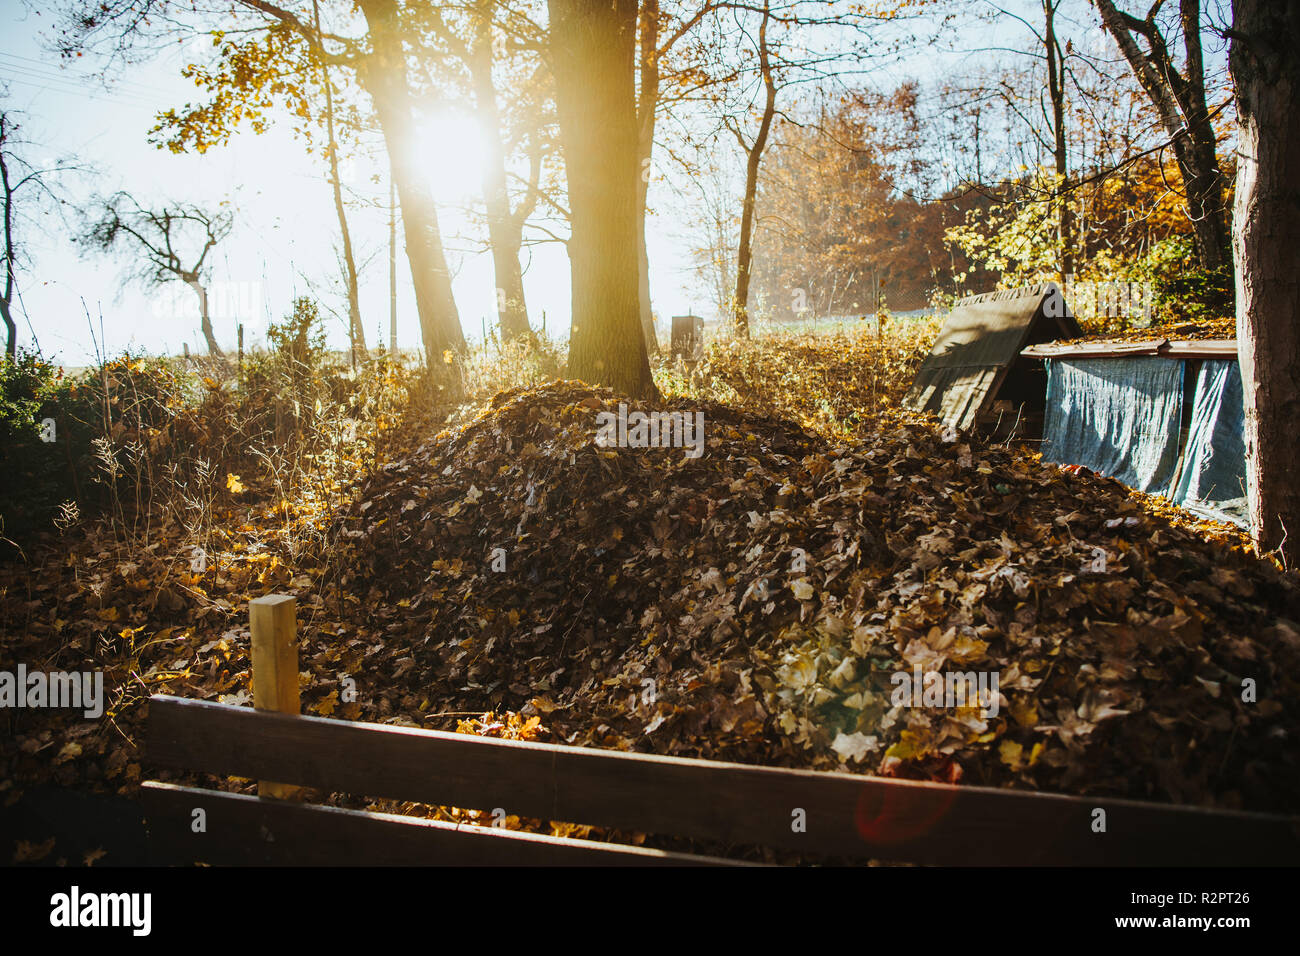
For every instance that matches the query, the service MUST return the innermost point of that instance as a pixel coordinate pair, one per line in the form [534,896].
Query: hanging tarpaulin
[1213,477]
[1118,417]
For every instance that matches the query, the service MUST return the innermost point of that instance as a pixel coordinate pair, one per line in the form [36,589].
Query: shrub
[1183,292]
[102,427]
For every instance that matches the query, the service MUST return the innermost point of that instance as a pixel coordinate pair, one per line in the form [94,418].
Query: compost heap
[656,602]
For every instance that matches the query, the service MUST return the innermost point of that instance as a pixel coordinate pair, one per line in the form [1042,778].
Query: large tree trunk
[504,234]
[647,103]
[744,251]
[1265,63]
[593,46]
[383,74]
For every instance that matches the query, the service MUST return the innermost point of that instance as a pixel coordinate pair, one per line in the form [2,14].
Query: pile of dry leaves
[755,604]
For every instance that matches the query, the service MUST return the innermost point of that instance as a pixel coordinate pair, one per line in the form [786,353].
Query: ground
[503,573]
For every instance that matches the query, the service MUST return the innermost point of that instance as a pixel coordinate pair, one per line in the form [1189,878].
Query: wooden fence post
[273,621]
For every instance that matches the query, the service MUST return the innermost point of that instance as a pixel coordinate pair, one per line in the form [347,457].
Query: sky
[285,237]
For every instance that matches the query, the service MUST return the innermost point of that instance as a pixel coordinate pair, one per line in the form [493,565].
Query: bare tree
[162,245]
[753,156]
[499,48]
[1180,100]
[660,34]
[1265,63]
[357,333]
[1056,92]
[18,179]
[376,53]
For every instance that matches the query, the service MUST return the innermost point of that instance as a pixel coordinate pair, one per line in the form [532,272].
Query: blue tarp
[1118,417]
[1213,478]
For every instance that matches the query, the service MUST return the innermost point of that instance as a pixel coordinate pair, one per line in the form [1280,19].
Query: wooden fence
[817,813]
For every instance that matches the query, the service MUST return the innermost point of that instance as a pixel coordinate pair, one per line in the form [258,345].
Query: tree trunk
[383,75]
[1201,177]
[1265,64]
[11,330]
[503,234]
[593,46]
[647,103]
[349,261]
[1056,91]
[205,321]
[744,251]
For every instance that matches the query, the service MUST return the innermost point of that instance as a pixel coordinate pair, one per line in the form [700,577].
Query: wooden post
[273,621]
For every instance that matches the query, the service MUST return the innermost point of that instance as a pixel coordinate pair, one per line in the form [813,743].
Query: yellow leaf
[909,746]
[1010,752]
[1036,752]
[233,483]
[1024,713]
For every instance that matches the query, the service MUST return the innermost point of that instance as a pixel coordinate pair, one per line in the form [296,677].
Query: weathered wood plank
[845,815]
[243,830]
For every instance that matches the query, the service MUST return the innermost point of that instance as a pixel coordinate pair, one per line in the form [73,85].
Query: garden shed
[1164,417]
[976,374]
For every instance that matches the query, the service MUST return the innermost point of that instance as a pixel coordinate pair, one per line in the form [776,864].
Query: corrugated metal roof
[980,339]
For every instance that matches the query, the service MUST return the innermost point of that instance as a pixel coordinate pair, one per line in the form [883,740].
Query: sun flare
[452,149]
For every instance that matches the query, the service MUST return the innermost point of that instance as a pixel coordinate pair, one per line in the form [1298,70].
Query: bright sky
[284,239]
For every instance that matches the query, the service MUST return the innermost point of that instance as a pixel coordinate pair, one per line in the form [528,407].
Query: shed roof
[1165,348]
[980,340]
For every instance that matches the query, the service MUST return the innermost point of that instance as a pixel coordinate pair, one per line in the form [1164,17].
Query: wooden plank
[1202,348]
[845,815]
[1095,349]
[274,625]
[242,830]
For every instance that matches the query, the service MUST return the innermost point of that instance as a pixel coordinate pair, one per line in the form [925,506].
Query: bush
[1181,291]
[77,439]
[30,467]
